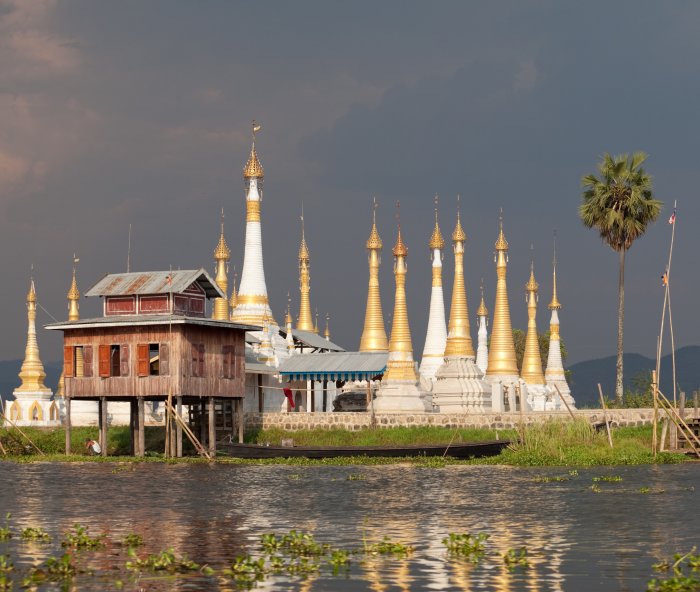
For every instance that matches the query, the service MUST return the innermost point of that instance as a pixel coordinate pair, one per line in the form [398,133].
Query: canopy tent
[334,366]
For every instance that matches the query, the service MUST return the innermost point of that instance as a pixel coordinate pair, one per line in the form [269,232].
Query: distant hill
[585,376]
[9,381]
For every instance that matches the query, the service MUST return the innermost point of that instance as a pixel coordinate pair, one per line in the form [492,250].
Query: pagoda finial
[316,323]
[374,333]
[222,255]
[327,331]
[73,295]
[436,240]
[400,249]
[554,304]
[459,235]
[501,242]
[482,311]
[32,373]
[532,361]
[253,169]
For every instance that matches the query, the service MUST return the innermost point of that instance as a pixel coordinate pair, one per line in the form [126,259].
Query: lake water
[577,539]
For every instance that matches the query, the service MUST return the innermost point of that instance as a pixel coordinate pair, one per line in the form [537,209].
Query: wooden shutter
[87,361]
[68,370]
[104,353]
[124,360]
[142,359]
[201,360]
[195,359]
[164,364]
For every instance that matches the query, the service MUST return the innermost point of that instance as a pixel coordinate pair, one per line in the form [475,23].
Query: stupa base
[397,396]
[460,387]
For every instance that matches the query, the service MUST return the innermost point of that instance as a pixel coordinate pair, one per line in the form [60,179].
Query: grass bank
[552,443]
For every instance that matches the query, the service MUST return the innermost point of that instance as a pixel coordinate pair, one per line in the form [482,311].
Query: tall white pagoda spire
[436,336]
[554,375]
[252,303]
[482,350]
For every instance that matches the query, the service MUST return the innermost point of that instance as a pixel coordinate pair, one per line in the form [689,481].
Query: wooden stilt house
[155,342]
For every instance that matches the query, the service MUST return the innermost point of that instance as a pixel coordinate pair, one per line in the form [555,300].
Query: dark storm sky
[129,112]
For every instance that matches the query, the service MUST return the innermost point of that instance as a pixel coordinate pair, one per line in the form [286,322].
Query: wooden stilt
[178,429]
[103,425]
[239,404]
[212,426]
[141,450]
[68,425]
[202,425]
[132,427]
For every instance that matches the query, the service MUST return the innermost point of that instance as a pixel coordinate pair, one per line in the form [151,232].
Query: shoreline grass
[551,443]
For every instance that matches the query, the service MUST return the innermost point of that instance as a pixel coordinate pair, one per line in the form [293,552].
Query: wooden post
[325,395]
[605,415]
[103,425]
[212,426]
[695,403]
[178,428]
[241,420]
[132,427]
[202,426]
[654,439]
[312,402]
[261,394]
[68,425]
[141,449]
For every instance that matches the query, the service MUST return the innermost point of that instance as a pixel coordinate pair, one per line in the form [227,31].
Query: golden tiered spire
[502,361]
[253,169]
[436,240]
[532,362]
[400,365]
[304,321]
[459,341]
[327,332]
[32,373]
[316,323]
[222,255]
[374,334]
[73,296]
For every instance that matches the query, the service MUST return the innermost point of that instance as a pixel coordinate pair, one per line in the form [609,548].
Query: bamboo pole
[192,438]
[605,414]
[68,425]
[655,390]
[178,432]
[670,411]
[571,413]
[27,438]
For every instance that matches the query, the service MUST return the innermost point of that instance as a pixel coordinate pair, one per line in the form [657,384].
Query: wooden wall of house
[179,378]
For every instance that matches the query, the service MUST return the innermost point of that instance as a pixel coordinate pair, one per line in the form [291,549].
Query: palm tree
[619,204]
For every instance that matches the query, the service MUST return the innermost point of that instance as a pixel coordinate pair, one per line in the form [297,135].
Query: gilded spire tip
[253,169]
[436,240]
[374,242]
[501,243]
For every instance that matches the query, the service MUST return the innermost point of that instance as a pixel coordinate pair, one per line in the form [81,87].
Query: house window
[153,359]
[228,355]
[198,360]
[113,360]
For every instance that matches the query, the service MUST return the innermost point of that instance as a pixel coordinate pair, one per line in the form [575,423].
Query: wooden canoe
[461,450]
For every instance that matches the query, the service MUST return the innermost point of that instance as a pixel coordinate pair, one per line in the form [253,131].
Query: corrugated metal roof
[334,366]
[310,339]
[155,282]
[136,320]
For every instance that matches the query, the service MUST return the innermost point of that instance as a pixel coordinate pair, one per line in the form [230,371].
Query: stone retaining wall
[357,421]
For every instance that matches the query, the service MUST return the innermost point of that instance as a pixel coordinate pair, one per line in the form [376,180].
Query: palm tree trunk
[620,328]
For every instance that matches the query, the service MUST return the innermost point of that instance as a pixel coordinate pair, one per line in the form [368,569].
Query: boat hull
[470,450]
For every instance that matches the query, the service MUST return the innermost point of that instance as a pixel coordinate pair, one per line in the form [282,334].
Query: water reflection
[575,538]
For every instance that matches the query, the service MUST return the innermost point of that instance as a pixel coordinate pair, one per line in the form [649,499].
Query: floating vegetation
[356,477]
[471,546]
[516,558]
[651,490]
[133,540]
[388,547]
[550,479]
[294,543]
[78,538]
[60,569]
[6,568]
[608,479]
[573,473]
[246,570]
[595,488]
[36,534]
[5,531]
[164,561]
[681,570]
[339,559]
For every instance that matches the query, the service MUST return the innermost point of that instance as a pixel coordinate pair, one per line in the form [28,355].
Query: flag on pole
[672,219]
